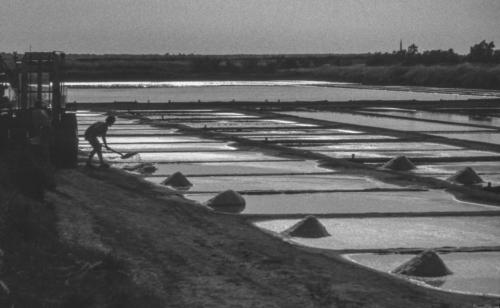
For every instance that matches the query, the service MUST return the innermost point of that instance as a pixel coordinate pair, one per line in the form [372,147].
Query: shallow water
[241,167]
[494,179]
[193,156]
[409,154]
[479,167]
[376,121]
[280,183]
[136,127]
[119,122]
[305,138]
[168,147]
[151,139]
[244,91]
[315,131]
[381,146]
[414,232]
[477,272]
[355,202]
[314,137]
[245,123]
[133,132]
[493,137]
[488,171]
[167,116]
[178,111]
[441,116]
[89,114]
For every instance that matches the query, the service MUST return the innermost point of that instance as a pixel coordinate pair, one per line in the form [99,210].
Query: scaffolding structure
[39,78]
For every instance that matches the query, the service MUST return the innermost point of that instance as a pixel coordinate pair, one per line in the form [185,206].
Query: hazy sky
[245,26]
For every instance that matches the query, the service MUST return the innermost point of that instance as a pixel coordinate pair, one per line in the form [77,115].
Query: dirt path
[191,257]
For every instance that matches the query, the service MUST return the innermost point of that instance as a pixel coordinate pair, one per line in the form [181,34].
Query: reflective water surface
[354,202]
[384,122]
[298,90]
[412,232]
[477,272]
[472,118]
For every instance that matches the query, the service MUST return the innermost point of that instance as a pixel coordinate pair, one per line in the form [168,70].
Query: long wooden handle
[121,154]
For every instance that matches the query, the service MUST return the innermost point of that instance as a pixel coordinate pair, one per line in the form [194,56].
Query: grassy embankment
[341,68]
[36,268]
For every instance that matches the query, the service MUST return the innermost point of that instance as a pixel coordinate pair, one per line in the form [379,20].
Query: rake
[124,155]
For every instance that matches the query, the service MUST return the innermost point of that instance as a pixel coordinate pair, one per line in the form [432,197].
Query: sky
[245,26]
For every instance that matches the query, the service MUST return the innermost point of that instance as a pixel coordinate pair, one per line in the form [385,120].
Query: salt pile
[142,168]
[227,201]
[147,168]
[177,180]
[426,264]
[466,176]
[399,163]
[309,227]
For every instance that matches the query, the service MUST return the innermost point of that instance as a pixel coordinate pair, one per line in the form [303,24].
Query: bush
[465,75]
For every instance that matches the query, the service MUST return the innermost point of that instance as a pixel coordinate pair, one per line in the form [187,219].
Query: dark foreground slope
[106,239]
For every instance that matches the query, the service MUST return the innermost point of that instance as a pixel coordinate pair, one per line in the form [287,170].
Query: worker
[39,171]
[98,129]
[40,131]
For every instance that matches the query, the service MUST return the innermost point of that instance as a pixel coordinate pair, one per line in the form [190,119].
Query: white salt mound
[309,227]
[399,163]
[143,168]
[466,176]
[426,264]
[227,201]
[177,180]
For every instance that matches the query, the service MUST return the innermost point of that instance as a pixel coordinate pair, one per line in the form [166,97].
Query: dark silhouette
[482,52]
[98,129]
[412,50]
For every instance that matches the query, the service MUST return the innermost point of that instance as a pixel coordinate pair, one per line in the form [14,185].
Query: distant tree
[288,63]
[250,64]
[204,64]
[411,57]
[269,67]
[496,56]
[481,52]
[401,52]
[431,57]
[412,50]
[380,59]
[233,66]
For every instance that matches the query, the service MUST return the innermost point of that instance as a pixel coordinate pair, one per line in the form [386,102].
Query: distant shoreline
[330,68]
[452,77]
[356,68]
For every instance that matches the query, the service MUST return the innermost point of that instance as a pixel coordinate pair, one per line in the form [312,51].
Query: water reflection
[434,282]
[472,271]
[470,118]
[271,91]
[378,121]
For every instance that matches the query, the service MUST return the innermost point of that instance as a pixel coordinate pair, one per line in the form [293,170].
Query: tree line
[482,52]
[479,68]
